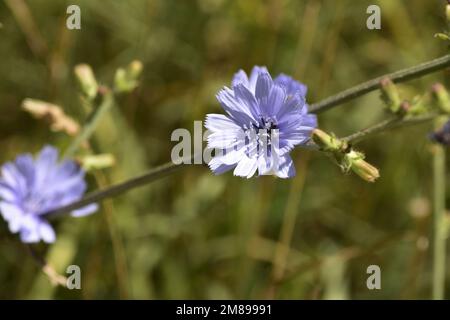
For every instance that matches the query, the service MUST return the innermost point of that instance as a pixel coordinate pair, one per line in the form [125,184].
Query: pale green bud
[96,162]
[365,170]
[442,36]
[327,142]
[87,81]
[390,95]
[126,79]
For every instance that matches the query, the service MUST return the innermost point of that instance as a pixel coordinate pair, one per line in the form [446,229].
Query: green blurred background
[195,235]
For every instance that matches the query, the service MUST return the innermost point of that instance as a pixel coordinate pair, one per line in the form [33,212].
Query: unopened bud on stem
[390,95]
[347,158]
[96,162]
[365,170]
[87,81]
[126,79]
[442,97]
[135,69]
[327,142]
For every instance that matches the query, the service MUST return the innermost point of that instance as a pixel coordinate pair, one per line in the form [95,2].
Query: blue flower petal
[240,77]
[272,117]
[246,167]
[263,85]
[29,188]
[90,209]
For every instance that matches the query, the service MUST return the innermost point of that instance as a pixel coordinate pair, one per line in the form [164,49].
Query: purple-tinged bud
[441,97]
[405,106]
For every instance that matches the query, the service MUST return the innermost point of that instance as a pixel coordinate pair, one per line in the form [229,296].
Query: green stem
[96,196]
[374,84]
[439,222]
[386,125]
[54,277]
[91,124]
[282,249]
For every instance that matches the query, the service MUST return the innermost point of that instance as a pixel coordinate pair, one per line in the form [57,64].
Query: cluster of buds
[347,158]
[126,79]
[395,104]
[390,95]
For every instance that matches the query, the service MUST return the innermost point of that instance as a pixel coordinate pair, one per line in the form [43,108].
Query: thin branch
[96,196]
[91,124]
[22,13]
[374,84]
[54,277]
[386,125]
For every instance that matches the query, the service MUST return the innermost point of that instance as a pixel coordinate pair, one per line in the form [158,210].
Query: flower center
[260,137]
[33,204]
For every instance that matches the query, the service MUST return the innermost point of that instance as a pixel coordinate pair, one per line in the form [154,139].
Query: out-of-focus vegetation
[195,235]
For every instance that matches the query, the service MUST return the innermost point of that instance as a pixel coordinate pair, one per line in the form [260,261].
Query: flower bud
[327,142]
[404,107]
[135,69]
[362,168]
[346,158]
[442,36]
[126,79]
[442,98]
[96,162]
[87,81]
[53,114]
[390,95]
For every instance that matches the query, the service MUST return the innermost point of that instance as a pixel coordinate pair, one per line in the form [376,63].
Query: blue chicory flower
[31,187]
[265,120]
